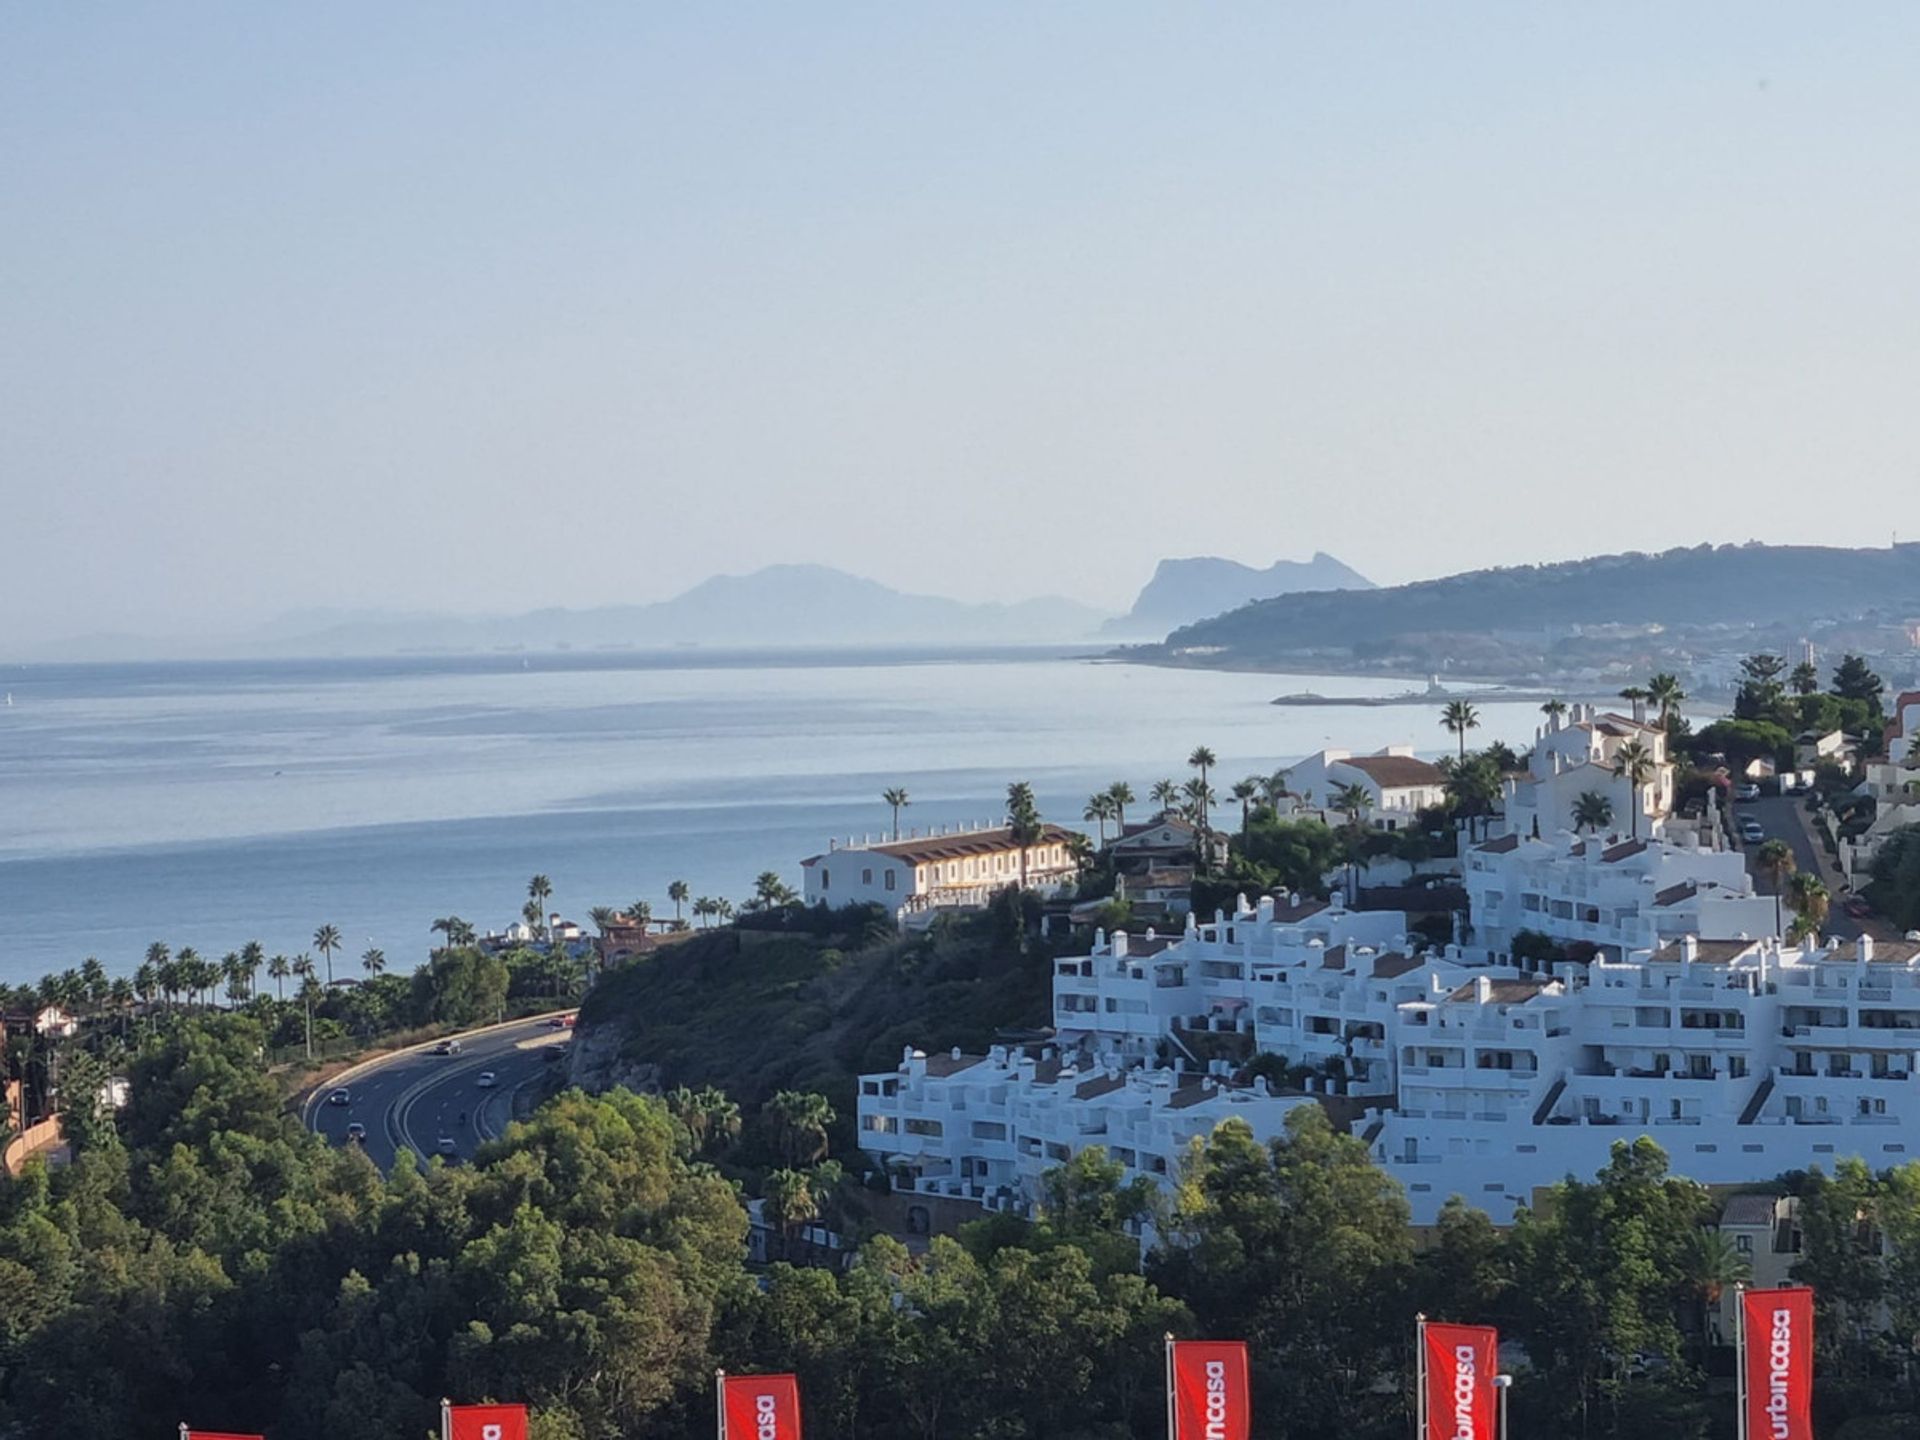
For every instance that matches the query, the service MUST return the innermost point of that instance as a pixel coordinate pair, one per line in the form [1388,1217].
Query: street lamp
[1503,1383]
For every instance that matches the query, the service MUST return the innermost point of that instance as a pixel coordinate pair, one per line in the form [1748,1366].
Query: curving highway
[435,1104]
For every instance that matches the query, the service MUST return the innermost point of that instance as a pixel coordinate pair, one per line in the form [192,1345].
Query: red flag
[1778,1330]
[1461,1363]
[760,1407]
[186,1434]
[486,1422]
[1211,1399]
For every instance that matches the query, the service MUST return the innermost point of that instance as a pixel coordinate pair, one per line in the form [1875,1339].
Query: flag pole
[183,1430]
[1419,1377]
[446,1418]
[1172,1421]
[1740,1358]
[720,1404]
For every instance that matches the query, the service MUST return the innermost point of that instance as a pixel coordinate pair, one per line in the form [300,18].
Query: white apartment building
[953,869]
[1574,753]
[1398,783]
[1618,894]
[1743,1058]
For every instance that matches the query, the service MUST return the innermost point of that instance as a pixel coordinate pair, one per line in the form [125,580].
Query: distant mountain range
[1184,591]
[1735,588]
[782,605]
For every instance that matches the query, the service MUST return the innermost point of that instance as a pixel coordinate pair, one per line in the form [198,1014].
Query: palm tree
[770,892]
[1805,679]
[677,892]
[253,955]
[1100,810]
[1203,760]
[540,892]
[790,1203]
[1352,801]
[703,907]
[279,968]
[1811,903]
[1592,811]
[1712,1262]
[373,962]
[1273,789]
[1165,793]
[1024,827]
[1636,693]
[1553,709]
[457,931]
[1201,797]
[896,797]
[234,971]
[1246,792]
[1457,718]
[309,991]
[1121,794]
[187,972]
[1664,690]
[722,909]
[640,912]
[146,983]
[1634,761]
[799,1119]
[327,940]
[1776,862]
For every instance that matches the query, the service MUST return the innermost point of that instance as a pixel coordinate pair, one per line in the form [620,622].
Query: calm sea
[213,803]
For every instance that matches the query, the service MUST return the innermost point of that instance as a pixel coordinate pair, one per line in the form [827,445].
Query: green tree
[1664,690]
[1810,901]
[1762,694]
[374,961]
[1854,680]
[1805,679]
[1024,827]
[1100,809]
[1246,792]
[678,893]
[279,967]
[1301,1247]
[1121,793]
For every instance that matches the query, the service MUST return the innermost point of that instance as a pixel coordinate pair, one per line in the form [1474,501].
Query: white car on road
[486,1080]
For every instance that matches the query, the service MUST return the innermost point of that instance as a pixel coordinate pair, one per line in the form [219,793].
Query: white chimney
[1689,949]
[1482,989]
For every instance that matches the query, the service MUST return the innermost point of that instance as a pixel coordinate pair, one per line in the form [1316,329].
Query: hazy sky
[481,307]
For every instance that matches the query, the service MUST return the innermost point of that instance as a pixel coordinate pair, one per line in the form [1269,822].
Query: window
[866,877]
[825,879]
[889,879]
[1743,1243]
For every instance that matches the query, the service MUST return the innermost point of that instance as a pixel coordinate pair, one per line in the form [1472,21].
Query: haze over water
[210,804]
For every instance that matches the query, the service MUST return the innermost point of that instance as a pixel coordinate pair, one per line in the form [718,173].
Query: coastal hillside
[1183,591]
[1739,587]
[753,1011]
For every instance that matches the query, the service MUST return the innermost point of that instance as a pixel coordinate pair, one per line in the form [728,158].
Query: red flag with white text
[1211,1396]
[1778,1330]
[1461,1363]
[760,1407]
[486,1422]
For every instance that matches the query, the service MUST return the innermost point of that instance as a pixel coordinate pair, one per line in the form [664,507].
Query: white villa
[952,869]
[1398,783]
[1574,753]
[1618,894]
[1744,1058]
[1894,784]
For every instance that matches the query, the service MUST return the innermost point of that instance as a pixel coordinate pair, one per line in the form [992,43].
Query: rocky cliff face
[596,1064]
[1183,591]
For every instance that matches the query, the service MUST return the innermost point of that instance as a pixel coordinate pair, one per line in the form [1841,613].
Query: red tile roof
[1395,771]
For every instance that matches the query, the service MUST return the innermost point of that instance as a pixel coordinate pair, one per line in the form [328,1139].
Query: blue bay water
[213,803]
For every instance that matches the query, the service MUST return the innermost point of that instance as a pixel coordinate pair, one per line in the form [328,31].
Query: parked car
[1751,832]
[340,1097]
[356,1133]
[560,1022]
[1746,792]
[448,1146]
[486,1080]
[447,1047]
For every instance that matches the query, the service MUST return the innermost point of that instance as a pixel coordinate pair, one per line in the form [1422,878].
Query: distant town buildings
[1398,784]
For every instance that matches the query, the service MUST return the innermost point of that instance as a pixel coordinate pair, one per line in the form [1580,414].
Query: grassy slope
[754,1013]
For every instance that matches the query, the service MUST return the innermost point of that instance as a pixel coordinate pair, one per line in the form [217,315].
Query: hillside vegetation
[753,1012]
